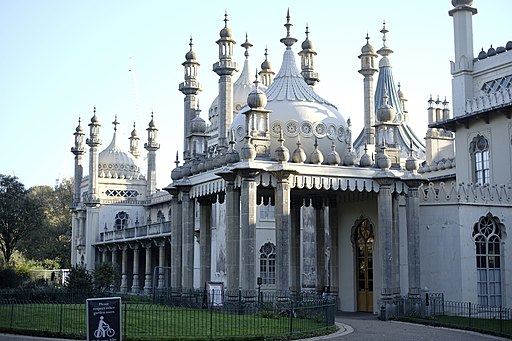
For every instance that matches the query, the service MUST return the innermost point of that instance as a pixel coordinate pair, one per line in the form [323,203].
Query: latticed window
[487,236]
[479,149]
[123,193]
[496,85]
[268,263]
[121,220]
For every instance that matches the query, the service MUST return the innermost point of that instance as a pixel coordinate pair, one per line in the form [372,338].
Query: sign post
[104,319]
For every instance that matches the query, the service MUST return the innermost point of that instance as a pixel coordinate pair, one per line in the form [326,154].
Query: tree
[53,240]
[20,215]
[106,275]
[79,278]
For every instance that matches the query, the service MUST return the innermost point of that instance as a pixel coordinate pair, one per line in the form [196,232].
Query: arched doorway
[363,242]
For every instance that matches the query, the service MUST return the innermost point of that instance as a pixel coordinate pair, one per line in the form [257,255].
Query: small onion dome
[226,31]
[266,63]
[200,166]
[482,54]
[185,170]
[307,44]
[367,48]
[491,51]
[193,167]
[500,49]
[282,154]
[333,158]
[134,134]
[349,159]
[448,164]
[412,164]
[197,125]
[176,174]
[152,124]
[383,160]
[79,128]
[456,3]
[256,98]
[232,155]
[190,55]
[209,163]
[316,156]
[94,118]
[299,155]
[386,113]
[366,160]
[248,152]
[509,45]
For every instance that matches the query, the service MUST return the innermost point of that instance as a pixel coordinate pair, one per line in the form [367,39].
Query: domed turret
[197,125]
[299,155]
[256,98]
[333,158]
[386,113]
[316,156]
[282,154]
[456,3]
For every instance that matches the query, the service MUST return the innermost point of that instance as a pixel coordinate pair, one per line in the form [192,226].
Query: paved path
[362,327]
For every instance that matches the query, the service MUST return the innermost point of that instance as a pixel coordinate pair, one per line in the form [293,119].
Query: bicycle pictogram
[104,329]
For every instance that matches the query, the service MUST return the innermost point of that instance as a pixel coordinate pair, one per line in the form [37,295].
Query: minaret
[78,150]
[190,88]
[462,66]
[93,142]
[134,143]
[151,146]
[307,61]
[368,69]
[266,73]
[225,68]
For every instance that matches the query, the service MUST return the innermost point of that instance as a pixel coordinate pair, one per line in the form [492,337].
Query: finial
[79,120]
[226,18]
[115,123]
[384,31]
[94,110]
[288,24]
[288,40]
[307,31]
[246,45]
[133,124]
[398,86]
[177,162]
[151,114]
[410,148]
[190,44]
[197,105]
[266,52]
[367,38]
[256,81]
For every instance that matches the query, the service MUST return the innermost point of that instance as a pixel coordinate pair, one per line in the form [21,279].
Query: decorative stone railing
[489,101]
[150,230]
[471,193]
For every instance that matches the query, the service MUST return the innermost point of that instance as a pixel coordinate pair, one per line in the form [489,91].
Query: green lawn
[156,322]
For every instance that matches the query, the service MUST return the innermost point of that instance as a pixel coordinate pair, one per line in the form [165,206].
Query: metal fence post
[211,314]
[501,321]
[469,315]
[12,314]
[60,319]
[291,318]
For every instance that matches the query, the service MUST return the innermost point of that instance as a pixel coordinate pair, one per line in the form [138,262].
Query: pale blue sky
[60,58]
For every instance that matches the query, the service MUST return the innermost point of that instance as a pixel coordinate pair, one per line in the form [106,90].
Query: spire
[288,40]
[152,144]
[246,45]
[266,73]
[134,142]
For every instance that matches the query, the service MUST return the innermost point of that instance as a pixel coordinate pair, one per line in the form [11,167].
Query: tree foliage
[106,275]
[20,215]
[53,240]
[79,278]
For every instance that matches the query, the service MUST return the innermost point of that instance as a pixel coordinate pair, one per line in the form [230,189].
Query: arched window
[160,216]
[268,263]
[121,220]
[479,150]
[487,234]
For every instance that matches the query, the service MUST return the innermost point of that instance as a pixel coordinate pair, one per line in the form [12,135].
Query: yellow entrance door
[364,238]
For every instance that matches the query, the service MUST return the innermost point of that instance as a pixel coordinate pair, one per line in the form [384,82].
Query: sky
[61,58]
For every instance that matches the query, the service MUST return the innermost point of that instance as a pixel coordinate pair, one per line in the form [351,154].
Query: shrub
[9,278]
[79,278]
[105,275]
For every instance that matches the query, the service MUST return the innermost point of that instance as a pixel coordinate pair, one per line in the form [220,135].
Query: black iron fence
[175,314]
[433,309]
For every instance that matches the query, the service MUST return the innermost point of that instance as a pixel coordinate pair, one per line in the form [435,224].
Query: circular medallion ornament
[292,128]
[331,131]
[341,134]
[276,128]
[306,129]
[240,133]
[319,129]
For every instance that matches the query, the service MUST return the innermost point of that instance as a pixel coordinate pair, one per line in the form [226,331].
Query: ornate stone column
[283,233]
[413,236]
[248,232]
[147,282]
[395,235]
[187,281]
[333,238]
[124,268]
[232,231]
[318,204]
[385,228]
[136,258]
[161,263]
[176,238]
[205,239]
[295,215]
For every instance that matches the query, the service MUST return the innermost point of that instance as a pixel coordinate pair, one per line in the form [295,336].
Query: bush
[9,278]
[106,275]
[79,278]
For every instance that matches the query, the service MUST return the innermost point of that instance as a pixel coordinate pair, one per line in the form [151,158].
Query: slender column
[395,235]
[104,254]
[187,281]
[176,239]
[413,238]
[205,237]
[385,212]
[320,244]
[283,226]
[136,258]
[333,234]
[161,263]
[295,244]
[147,282]
[124,268]
[232,232]
[248,233]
